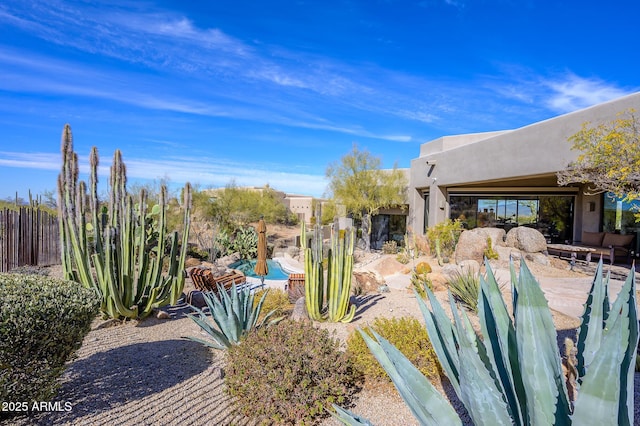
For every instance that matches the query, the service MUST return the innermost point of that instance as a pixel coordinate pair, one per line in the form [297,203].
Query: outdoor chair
[204,280]
[295,287]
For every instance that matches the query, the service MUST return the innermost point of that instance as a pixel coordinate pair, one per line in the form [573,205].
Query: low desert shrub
[390,247]
[406,334]
[289,373]
[445,236]
[42,323]
[420,282]
[277,301]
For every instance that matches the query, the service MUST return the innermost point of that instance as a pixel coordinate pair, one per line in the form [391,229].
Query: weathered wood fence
[28,236]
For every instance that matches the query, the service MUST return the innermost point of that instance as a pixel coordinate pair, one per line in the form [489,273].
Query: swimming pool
[246,267]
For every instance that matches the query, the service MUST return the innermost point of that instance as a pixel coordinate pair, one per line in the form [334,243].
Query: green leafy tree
[610,158]
[358,183]
[235,207]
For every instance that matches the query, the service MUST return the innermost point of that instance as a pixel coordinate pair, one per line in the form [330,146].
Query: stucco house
[508,178]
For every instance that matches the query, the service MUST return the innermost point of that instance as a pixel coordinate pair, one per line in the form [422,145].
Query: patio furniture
[204,280]
[295,286]
[608,245]
[572,251]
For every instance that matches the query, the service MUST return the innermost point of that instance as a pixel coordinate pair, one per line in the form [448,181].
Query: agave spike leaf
[542,375]
[442,338]
[479,391]
[348,418]
[206,342]
[627,373]
[500,342]
[625,307]
[591,328]
[514,283]
[425,402]
[599,397]
[214,334]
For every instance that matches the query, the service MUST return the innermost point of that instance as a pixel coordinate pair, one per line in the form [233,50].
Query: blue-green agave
[513,373]
[234,315]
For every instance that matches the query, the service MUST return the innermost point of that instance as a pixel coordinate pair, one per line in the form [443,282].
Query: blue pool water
[246,267]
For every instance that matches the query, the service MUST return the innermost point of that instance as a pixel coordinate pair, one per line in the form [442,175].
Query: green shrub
[445,236]
[197,253]
[289,373]
[407,334]
[489,252]
[390,247]
[42,323]
[465,286]
[420,281]
[277,301]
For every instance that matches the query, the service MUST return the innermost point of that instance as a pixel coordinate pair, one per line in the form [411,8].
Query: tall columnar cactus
[118,249]
[339,276]
[313,273]
[513,375]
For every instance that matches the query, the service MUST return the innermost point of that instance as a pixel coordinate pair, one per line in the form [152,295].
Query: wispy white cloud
[201,170]
[573,92]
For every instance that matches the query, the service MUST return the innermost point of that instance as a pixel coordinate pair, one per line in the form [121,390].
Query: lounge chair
[204,280]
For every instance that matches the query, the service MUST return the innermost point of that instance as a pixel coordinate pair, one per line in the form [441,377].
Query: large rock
[526,239]
[471,246]
[497,235]
[299,312]
[390,266]
[367,281]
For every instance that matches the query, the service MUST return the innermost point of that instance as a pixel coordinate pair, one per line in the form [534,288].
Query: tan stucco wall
[538,149]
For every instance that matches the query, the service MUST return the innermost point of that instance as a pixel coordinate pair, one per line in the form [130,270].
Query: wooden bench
[204,280]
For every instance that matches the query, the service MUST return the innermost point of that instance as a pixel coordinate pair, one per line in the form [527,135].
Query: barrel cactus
[513,374]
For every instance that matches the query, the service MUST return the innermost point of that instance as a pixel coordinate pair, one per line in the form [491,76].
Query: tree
[609,159]
[358,183]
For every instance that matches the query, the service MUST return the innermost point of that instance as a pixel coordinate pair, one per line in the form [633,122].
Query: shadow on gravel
[128,373]
[365,302]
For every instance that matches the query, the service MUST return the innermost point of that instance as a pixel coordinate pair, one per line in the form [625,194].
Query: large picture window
[552,215]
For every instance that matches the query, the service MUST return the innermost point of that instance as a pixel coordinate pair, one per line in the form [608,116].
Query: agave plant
[234,315]
[513,375]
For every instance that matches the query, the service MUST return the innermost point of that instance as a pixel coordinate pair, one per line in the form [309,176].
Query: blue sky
[272,92]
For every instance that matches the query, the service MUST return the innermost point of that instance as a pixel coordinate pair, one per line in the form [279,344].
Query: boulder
[526,239]
[196,298]
[438,281]
[299,312]
[497,235]
[367,281]
[505,253]
[471,246]
[470,265]
[539,258]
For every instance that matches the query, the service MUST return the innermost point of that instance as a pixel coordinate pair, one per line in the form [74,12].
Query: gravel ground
[147,374]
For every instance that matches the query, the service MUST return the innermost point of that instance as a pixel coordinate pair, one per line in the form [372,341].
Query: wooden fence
[28,236]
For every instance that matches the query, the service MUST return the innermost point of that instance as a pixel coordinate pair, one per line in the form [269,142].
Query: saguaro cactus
[118,249]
